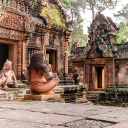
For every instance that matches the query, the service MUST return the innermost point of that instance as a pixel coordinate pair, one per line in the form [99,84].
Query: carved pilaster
[68,34]
[19,60]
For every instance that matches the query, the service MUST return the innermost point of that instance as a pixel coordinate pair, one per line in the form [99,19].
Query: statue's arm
[14,77]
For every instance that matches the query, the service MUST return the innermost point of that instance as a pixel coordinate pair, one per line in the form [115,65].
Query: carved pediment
[15,24]
[12,21]
[16,20]
[95,52]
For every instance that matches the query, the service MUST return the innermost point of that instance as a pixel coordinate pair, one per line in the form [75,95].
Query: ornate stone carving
[97,61]
[15,19]
[12,21]
[11,34]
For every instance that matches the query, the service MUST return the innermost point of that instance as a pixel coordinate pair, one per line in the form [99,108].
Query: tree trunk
[93,13]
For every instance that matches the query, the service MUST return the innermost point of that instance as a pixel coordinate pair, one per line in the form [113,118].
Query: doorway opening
[51,58]
[4,54]
[99,78]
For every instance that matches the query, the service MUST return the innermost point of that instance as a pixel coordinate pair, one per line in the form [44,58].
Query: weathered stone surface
[88,124]
[37,117]
[57,115]
[119,125]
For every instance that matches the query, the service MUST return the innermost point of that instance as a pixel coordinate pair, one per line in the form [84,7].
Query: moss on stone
[53,14]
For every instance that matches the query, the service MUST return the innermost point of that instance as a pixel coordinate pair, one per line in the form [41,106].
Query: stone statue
[7,76]
[50,69]
[76,76]
[38,73]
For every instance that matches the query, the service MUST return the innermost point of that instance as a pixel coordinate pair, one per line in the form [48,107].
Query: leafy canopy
[100,5]
[122,35]
[75,7]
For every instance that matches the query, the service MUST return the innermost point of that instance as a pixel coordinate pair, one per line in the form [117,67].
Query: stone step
[92,97]
[81,100]
[9,94]
[3,96]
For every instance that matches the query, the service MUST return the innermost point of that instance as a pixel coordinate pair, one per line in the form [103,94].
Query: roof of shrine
[122,51]
[102,40]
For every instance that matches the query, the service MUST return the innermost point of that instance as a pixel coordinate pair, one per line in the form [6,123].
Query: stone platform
[70,93]
[41,97]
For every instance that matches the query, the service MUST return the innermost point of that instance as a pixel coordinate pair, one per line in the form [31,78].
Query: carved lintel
[97,61]
[12,21]
[11,34]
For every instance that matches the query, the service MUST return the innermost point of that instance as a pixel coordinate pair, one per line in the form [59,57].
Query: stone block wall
[122,73]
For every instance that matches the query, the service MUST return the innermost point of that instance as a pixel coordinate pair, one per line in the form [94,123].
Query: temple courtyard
[60,115]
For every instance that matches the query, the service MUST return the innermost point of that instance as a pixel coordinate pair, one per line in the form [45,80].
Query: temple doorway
[4,54]
[51,58]
[98,78]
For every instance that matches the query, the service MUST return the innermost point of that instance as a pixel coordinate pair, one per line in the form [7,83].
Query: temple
[28,26]
[102,62]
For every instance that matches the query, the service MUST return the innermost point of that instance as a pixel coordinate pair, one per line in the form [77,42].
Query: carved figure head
[8,65]
[75,70]
[49,67]
[43,3]
[37,62]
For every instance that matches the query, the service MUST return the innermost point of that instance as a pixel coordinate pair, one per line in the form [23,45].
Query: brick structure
[103,62]
[23,31]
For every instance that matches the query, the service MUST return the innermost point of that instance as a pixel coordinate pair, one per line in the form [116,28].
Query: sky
[107,12]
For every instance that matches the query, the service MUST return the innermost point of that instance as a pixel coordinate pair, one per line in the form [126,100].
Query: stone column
[66,59]
[19,60]
[67,40]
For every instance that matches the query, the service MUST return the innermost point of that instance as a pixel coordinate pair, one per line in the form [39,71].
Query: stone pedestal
[41,97]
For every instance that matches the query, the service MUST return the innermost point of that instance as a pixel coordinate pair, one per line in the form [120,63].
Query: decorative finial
[18,6]
[0,2]
[13,4]
[9,3]
[4,2]
[23,8]
[27,10]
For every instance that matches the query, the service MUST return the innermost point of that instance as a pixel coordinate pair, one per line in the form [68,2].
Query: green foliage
[123,14]
[53,14]
[47,58]
[66,3]
[122,35]
[75,7]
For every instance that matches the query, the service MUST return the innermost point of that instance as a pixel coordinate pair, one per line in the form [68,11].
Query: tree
[75,7]
[122,35]
[100,5]
[123,14]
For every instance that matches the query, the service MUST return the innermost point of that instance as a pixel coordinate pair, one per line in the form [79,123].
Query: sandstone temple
[102,62]
[28,26]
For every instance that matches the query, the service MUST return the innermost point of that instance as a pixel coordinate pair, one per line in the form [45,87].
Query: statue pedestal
[41,97]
